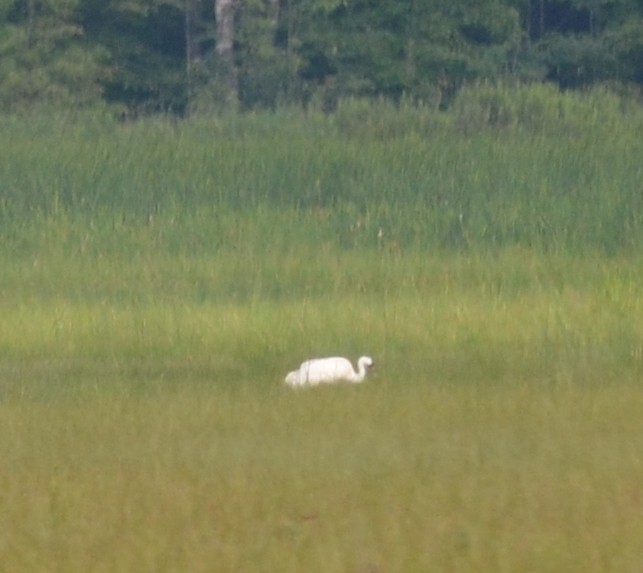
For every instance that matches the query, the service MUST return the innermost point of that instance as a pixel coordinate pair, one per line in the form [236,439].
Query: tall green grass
[317,178]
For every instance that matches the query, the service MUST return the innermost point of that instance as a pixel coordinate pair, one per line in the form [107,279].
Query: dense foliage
[178,56]
[501,168]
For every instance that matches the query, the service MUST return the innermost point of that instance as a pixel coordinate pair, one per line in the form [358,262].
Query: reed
[267,181]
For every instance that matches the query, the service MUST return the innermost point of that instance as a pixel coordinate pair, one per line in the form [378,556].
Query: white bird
[328,371]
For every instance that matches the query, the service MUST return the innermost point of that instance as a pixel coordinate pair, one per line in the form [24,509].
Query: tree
[45,58]
[626,42]
[422,49]
[178,55]
[224,11]
[577,43]
[145,40]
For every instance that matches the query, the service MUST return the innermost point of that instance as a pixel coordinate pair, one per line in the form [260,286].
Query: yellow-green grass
[501,431]
[518,314]
[401,475]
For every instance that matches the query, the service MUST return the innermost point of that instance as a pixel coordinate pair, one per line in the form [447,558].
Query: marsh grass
[221,180]
[446,477]
[149,430]
[157,281]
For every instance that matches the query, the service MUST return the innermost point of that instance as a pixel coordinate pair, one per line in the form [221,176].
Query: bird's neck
[361,372]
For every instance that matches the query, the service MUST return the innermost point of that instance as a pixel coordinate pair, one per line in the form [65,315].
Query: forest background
[181,56]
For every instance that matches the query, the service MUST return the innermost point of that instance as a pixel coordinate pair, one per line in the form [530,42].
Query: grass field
[158,280]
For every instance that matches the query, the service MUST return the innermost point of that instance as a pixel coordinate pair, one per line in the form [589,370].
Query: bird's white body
[328,371]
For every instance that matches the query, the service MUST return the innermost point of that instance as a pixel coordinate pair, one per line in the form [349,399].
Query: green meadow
[159,278]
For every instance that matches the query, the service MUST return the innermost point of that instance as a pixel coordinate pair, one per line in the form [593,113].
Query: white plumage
[328,371]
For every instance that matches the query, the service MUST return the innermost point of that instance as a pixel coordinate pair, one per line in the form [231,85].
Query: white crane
[328,371]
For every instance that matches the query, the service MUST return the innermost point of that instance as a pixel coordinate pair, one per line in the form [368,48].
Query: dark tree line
[178,55]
